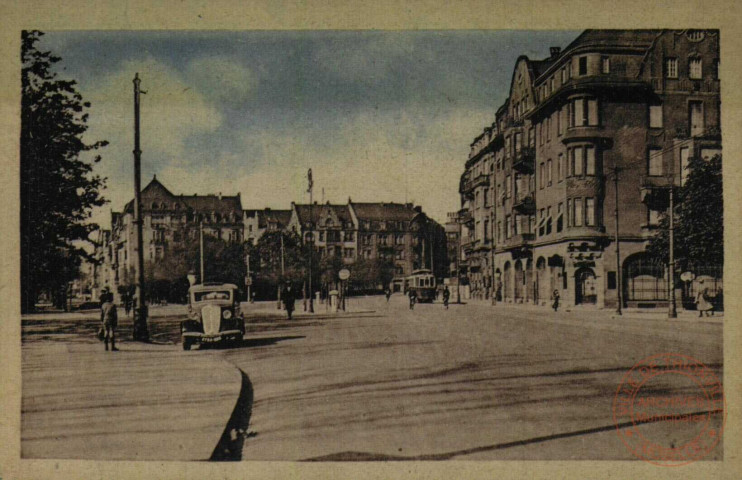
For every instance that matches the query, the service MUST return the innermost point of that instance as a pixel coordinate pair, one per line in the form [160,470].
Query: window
[517,224]
[400,254]
[577,161]
[563,116]
[560,217]
[671,68]
[590,211]
[541,175]
[348,253]
[584,112]
[532,137]
[564,75]
[695,68]
[569,212]
[578,212]
[696,118]
[582,69]
[578,112]
[508,186]
[551,84]
[560,167]
[548,128]
[518,141]
[589,160]
[654,162]
[612,280]
[605,65]
[684,161]
[548,173]
[507,226]
[655,116]
[499,231]
[486,230]
[592,112]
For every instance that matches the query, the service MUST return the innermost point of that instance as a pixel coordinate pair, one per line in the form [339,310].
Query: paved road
[471,382]
[463,383]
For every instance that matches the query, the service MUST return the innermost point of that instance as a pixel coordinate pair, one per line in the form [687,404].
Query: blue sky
[377,115]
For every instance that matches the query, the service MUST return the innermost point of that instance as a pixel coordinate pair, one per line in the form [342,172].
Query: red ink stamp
[669,410]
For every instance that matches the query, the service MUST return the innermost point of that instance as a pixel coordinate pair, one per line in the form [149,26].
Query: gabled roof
[280,217]
[156,192]
[213,203]
[341,211]
[384,211]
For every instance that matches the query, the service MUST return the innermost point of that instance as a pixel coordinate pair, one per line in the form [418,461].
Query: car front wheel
[186,344]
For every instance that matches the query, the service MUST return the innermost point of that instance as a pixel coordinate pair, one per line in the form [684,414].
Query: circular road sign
[344,274]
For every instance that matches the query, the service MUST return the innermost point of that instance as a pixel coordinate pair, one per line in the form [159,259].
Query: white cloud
[222,78]
[171,111]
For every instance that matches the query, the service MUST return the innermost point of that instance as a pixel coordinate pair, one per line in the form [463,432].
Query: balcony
[524,160]
[525,204]
[481,180]
[519,244]
[655,190]
[662,84]
[465,216]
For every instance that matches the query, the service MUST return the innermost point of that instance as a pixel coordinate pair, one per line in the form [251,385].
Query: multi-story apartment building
[601,129]
[167,220]
[257,222]
[399,233]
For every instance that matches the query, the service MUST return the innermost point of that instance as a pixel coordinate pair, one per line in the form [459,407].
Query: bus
[423,283]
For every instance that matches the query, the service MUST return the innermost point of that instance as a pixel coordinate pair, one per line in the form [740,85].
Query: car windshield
[212,295]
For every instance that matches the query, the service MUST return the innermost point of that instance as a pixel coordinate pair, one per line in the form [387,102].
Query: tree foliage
[58,186]
[699,218]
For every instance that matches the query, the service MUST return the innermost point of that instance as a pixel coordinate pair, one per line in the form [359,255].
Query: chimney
[554,51]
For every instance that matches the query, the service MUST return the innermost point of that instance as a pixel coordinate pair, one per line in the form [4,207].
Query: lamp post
[672,311]
[311,241]
[619,285]
[140,323]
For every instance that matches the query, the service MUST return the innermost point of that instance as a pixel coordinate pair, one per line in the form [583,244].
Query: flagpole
[311,242]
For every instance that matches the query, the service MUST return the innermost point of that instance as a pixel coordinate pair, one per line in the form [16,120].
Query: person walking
[413,299]
[555,300]
[446,296]
[387,294]
[288,297]
[703,305]
[127,303]
[109,318]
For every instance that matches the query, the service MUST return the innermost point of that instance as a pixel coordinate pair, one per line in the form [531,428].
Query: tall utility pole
[672,311]
[619,285]
[311,240]
[201,250]
[248,279]
[140,323]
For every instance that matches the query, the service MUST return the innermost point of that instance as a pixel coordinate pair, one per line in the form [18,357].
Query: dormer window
[695,35]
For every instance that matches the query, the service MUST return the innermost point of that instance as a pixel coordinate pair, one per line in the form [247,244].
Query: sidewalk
[353,306]
[594,313]
[145,402]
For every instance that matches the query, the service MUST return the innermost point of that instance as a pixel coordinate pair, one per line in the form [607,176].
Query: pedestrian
[127,303]
[109,318]
[288,297]
[703,305]
[387,293]
[413,298]
[498,292]
[555,300]
[446,296]
[252,297]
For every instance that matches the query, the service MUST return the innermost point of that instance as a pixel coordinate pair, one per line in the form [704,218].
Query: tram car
[423,283]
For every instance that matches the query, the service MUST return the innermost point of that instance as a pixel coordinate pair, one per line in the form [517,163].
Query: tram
[423,283]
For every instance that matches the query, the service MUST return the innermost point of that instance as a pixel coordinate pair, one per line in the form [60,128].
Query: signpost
[344,275]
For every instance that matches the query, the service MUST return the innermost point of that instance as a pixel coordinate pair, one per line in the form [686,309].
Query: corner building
[615,117]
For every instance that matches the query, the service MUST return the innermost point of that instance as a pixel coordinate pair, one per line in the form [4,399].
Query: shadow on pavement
[251,342]
[229,448]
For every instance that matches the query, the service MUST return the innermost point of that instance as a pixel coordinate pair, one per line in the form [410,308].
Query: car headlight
[227,314]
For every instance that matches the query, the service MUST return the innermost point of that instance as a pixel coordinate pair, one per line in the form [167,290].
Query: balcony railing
[662,84]
[524,160]
[525,204]
[480,180]
[519,241]
[465,216]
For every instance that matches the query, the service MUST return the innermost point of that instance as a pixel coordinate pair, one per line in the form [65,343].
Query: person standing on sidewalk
[555,300]
[703,305]
[109,318]
[288,297]
[446,296]
[387,294]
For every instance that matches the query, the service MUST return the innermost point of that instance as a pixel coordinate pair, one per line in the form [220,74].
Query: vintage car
[213,315]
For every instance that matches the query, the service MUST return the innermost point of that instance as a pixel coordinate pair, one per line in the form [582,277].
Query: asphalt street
[471,382]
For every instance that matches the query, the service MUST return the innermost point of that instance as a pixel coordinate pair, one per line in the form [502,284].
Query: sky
[379,116]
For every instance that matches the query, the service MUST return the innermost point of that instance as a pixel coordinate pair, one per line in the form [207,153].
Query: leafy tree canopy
[699,218]
[58,186]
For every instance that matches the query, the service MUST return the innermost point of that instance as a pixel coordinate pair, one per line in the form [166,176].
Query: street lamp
[672,311]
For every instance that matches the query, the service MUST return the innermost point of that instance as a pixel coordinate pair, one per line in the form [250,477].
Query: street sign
[248,281]
[687,276]
[344,274]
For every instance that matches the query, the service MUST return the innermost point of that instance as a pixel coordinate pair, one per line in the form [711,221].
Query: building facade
[168,219]
[257,222]
[590,140]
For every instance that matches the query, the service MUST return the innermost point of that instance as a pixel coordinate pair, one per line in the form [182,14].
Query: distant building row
[399,233]
[538,191]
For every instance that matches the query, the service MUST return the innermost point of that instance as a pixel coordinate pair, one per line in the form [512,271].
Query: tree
[699,218]
[58,187]
[267,260]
